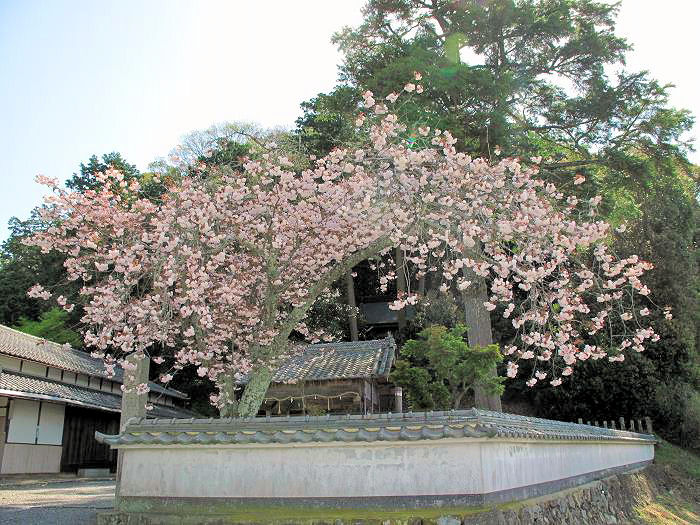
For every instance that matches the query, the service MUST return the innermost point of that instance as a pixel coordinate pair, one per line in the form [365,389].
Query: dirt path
[66,503]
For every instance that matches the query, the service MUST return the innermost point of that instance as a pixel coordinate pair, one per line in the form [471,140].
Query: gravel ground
[64,503]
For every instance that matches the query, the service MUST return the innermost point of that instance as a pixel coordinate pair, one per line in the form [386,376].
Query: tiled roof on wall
[21,385]
[24,346]
[410,426]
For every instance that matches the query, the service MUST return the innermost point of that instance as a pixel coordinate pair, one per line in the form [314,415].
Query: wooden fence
[642,426]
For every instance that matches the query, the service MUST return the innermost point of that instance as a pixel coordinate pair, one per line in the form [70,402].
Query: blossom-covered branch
[222,268]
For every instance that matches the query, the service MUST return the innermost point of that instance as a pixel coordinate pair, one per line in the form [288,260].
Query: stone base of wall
[604,502]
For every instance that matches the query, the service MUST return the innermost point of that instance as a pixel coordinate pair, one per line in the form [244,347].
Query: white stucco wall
[425,467]
[34,369]
[31,459]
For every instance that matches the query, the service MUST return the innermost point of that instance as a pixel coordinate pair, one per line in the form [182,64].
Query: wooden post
[134,403]
[622,423]
[400,285]
[350,290]
[398,399]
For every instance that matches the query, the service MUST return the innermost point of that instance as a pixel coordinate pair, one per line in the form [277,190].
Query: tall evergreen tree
[525,78]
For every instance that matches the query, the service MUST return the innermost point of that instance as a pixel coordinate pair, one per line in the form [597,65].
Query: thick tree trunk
[400,285]
[228,396]
[350,291]
[478,321]
[254,392]
[457,399]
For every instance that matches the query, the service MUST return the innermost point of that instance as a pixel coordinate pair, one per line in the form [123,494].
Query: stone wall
[604,502]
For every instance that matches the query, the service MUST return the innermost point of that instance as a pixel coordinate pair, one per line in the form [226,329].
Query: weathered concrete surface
[55,503]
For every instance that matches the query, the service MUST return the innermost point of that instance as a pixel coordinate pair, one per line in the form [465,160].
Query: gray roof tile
[33,387]
[24,346]
[348,360]
[373,427]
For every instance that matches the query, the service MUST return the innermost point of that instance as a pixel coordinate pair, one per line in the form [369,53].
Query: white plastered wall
[441,467]
[34,437]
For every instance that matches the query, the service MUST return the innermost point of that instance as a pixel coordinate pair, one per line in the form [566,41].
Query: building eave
[54,399]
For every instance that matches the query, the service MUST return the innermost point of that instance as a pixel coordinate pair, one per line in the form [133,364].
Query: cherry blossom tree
[222,269]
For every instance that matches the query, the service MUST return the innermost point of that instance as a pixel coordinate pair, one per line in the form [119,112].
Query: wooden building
[379,319]
[53,399]
[348,377]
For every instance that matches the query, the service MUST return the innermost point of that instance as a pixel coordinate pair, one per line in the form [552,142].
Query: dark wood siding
[80,449]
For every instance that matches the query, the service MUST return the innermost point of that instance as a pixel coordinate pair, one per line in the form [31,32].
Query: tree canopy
[439,368]
[221,268]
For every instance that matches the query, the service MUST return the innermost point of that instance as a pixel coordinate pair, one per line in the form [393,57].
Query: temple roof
[347,360]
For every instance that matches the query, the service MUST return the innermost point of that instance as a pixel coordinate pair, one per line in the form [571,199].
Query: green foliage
[437,308]
[53,325]
[439,368]
[527,75]
[535,77]
[85,180]
[330,314]
[224,152]
[328,120]
[657,198]
[667,454]
[23,266]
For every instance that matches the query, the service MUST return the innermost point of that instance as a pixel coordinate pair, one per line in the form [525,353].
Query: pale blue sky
[89,77]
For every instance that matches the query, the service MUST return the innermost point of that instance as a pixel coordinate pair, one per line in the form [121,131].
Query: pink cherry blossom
[234,260]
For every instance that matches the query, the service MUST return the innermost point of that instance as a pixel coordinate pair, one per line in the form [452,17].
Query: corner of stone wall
[606,502]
